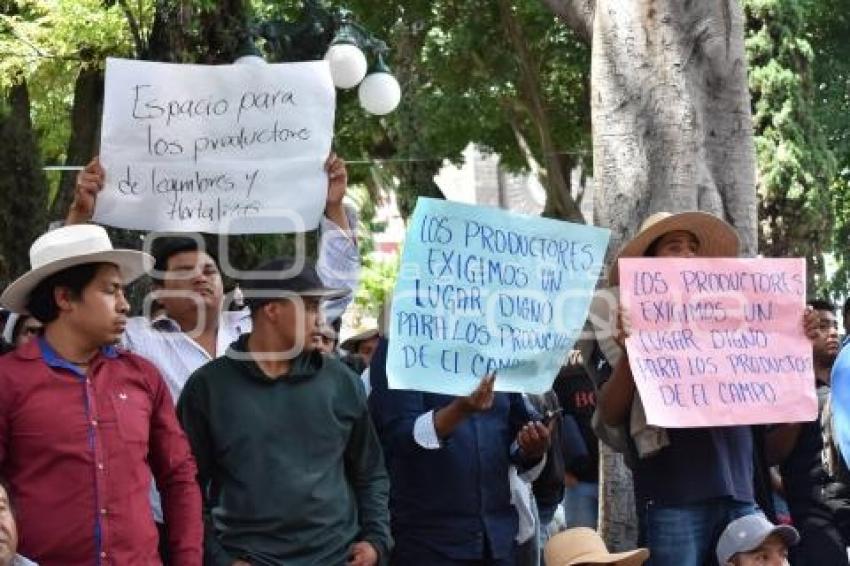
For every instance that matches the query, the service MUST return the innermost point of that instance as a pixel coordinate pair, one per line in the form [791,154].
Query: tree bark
[85,133]
[670,109]
[23,188]
[672,131]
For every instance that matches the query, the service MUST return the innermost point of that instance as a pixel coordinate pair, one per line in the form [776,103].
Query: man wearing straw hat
[83,423]
[187,280]
[695,480]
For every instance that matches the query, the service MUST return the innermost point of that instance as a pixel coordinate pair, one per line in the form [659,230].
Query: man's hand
[362,554]
[481,399]
[447,419]
[533,440]
[337,185]
[811,323]
[89,184]
[624,327]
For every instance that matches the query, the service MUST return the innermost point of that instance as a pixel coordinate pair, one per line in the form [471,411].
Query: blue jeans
[581,505]
[686,535]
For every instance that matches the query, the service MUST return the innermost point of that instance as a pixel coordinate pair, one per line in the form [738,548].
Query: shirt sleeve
[194,418]
[396,411]
[425,432]
[338,264]
[175,473]
[364,463]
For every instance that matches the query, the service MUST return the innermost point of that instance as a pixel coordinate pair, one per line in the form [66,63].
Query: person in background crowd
[19,330]
[84,424]
[703,477]
[360,348]
[752,540]
[9,532]
[194,327]
[577,394]
[327,340]
[449,460]
[797,447]
[581,546]
[288,459]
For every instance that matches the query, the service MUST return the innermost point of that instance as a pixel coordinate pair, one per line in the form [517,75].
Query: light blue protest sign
[840,392]
[483,290]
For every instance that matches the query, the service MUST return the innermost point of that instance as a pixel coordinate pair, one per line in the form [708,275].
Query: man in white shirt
[195,328]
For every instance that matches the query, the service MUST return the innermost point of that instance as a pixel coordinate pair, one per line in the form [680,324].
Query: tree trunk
[85,134]
[670,108]
[23,188]
[672,131]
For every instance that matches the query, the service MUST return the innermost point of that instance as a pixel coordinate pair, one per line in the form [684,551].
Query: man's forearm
[447,419]
[337,215]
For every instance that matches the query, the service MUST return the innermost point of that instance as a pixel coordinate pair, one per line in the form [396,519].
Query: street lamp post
[332,34]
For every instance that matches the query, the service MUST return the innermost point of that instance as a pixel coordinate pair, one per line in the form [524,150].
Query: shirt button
[100,466]
[103,555]
[103,511]
[94,422]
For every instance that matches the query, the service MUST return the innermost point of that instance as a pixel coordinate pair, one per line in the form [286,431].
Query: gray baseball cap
[747,533]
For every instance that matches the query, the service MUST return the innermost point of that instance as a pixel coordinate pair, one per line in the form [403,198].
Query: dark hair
[822,305]
[41,303]
[166,247]
[846,308]
[5,485]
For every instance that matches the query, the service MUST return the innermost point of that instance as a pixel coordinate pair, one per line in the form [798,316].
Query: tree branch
[577,14]
[134,27]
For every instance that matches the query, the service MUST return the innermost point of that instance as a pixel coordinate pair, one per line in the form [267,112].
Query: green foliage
[377,279]
[46,43]
[795,163]
[829,34]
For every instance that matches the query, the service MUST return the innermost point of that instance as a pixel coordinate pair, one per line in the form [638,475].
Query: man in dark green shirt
[288,460]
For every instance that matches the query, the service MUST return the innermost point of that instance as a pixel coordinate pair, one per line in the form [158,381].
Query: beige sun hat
[67,247]
[581,545]
[715,236]
[351,343]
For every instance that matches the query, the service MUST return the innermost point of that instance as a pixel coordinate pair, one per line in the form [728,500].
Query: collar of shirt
[53,359]
[304,366]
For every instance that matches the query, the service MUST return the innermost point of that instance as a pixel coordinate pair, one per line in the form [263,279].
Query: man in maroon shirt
[83,424]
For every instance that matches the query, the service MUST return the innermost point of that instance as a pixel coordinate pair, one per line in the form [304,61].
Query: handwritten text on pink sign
[719,342]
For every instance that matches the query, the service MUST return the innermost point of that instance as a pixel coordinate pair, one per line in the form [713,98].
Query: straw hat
[351,343]
[715,236]
[66,247]
[581,545]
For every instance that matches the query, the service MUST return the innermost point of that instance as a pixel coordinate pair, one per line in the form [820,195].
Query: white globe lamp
[379,93]
[348,65]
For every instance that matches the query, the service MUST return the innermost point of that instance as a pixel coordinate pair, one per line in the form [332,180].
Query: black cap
[282,277]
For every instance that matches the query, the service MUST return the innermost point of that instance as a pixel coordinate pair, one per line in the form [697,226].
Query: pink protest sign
[718,342]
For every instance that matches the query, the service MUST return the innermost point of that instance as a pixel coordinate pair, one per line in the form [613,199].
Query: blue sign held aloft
[482,290]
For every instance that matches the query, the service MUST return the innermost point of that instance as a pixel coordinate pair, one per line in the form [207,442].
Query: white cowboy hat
[67,247]
[581,545]
[715,236]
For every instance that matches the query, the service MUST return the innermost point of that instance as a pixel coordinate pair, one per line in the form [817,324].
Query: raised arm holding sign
[719,341]
[483,291]
[221,149]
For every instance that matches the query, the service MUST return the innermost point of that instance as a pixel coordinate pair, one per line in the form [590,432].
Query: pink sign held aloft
[717,342]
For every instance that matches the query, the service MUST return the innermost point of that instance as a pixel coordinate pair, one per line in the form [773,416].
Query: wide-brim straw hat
[351,342]
[582,545]
[715,236]
[70,246]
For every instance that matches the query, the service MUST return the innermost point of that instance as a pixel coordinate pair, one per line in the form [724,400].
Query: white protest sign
[221,149]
